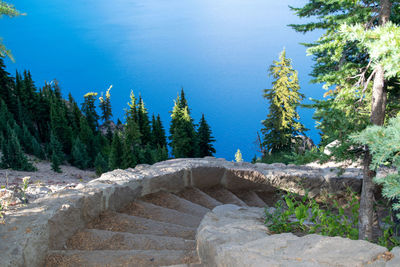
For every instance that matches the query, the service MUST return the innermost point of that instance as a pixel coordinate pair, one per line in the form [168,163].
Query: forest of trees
[40,122]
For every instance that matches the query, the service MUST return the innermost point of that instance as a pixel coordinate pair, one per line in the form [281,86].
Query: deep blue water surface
[217,50]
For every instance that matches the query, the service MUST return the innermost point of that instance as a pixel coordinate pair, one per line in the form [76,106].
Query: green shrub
[295,214]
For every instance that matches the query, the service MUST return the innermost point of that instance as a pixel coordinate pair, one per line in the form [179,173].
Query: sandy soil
[46,176]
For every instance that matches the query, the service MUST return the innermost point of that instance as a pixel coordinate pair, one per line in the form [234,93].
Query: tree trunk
[378,107]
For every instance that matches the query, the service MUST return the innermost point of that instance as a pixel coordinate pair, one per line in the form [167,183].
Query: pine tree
[57,155]
[74,115]
[105,106]
[100,164]
[89,109]
[157,132]
[59,124]
[282,125]
[238,156]
[204,139]
[132,146]
[80,157]
[115,157]
[13,156]
[183,139]
[7,93]
[143,123]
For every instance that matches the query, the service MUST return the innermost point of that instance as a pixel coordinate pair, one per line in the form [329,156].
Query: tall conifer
[204,139]
[282,124]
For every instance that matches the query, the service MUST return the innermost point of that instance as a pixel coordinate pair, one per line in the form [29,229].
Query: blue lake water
[217,50]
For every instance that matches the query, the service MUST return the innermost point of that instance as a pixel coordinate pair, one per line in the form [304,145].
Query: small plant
[25,183]
[388,238]
[295,214]
[238,156]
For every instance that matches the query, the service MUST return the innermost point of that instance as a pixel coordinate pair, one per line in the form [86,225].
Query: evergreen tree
[89,109]
[115,157]
[13,156]
[238,156]
[105,106]
[183,139]
[57,155]
[74,114]
[132,147]
[143,123]
[282,125]
[158,133]
[204,139]
[7,93]
[80,157]
[59,124]
[100,164]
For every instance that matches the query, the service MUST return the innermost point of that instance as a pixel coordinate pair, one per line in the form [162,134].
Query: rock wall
[47,223]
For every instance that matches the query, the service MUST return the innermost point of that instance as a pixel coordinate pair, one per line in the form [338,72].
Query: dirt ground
[46,176]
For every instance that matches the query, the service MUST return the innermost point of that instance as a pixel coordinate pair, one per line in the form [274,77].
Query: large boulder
[236,236]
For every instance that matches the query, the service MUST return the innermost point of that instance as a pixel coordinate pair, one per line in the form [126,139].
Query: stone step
[114,258]
[154,212]
[197,196]
[223,195]
[269,198]
[251,199]
[121,222]
[94,239]
[174,202]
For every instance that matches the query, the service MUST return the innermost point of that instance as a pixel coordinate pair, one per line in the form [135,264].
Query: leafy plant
[25,184]
[388,239]
[295,214]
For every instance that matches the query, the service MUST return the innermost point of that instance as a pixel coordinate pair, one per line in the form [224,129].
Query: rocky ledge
[236,236]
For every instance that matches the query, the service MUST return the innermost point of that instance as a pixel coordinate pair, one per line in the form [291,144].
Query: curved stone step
[120,222]
[154,212]
[197,196]
[269,198]
[174,202]
[114,258]
[223,195]
[94,239]
[251,199]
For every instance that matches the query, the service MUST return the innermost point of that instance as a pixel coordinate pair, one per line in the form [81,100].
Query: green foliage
[388,238]
[183,135]
[282,125]
[204,139]
[100,164]
[238,156]
[89,109]
[115,157]
[13,155]
[158,133]
[57,155]
[10,11]
[105,106]
[80,157]
[382,44]
[302,214]
[384,145]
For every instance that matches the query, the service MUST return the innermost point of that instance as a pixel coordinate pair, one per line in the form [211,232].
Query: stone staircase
[158,229]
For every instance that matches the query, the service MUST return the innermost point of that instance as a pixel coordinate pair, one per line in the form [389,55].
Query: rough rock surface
[236,236]
[47,223]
